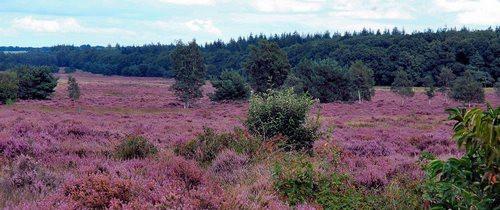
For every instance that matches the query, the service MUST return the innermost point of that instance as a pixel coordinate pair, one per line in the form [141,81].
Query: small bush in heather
[283,112]
[9,86]
[206,146]
[230,86]
[297,180]
[73,89]
[98,191]
[135,147]
[35,82]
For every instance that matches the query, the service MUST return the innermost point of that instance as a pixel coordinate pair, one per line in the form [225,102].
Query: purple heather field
[61,152]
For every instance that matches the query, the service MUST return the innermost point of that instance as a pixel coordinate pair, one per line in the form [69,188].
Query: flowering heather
[75,141]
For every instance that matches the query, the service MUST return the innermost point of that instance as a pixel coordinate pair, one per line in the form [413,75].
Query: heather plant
[135,147]
[228,166]
[73,89]
[25,177]
[467,89]
[9,86]
[98,191]
[207,145]
[35,82]
[283,112]
[230,86]
[468,182]
[189,71]
[402,85]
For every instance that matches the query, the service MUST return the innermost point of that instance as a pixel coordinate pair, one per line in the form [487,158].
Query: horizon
[45,23]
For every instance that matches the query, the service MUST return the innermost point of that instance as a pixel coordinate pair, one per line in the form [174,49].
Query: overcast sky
[137,22]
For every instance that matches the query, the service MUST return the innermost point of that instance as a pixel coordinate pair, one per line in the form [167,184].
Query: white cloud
[62,25]
[373,14]
[481,12]
[283,6]
[189,2]
[198,25]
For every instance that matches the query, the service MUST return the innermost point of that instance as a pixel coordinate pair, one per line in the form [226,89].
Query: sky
[39,23]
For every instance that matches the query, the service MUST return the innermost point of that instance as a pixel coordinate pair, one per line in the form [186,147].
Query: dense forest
[420,54]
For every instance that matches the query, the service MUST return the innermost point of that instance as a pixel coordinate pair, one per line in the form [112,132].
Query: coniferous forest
[419,54]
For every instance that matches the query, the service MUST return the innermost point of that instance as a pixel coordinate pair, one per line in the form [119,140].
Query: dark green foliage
[205,147]
[445,79]
[327,81]
[419,53]
[467,89]
[230,86]
[189,71]
[267,65]
[363,80]
[283,112]
[135,147]
[9,86]
[69,70]
[35,82]
[403,84]
[73,89]
[298,181]
[469,182]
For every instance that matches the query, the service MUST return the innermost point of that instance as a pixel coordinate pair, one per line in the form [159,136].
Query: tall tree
[445,79]
[267,65]
[402,85]
[8,87]
[363,80]
[429,84]
[189,70]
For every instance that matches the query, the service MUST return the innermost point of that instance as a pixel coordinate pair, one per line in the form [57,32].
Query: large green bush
[73,89]
[9,86]
[230,86]
[469,182]
[35,82]
[467,89]
[283,112]
[135,147]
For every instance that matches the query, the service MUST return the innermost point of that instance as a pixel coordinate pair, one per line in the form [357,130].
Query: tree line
[419,54]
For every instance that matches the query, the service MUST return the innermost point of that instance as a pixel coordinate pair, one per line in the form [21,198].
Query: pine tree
[8,87]
[402,85]
[189,69]
[73,89]
[267,65]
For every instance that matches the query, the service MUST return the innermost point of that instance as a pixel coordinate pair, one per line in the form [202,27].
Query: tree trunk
[359,96]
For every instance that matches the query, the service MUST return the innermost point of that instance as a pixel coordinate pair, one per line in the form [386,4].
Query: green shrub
[207,145]
[230,86]
[469,182]
[135,147]
[9,86]
[296,179]
[35,82]
[283,112]
[467,89]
